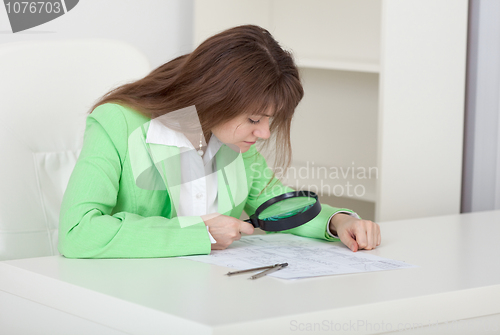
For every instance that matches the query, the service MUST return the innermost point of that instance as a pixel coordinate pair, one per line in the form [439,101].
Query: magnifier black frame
[286,223]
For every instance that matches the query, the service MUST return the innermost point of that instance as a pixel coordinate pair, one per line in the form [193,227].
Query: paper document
[306,257]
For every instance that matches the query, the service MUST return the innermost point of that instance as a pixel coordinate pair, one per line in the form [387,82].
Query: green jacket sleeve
[264,185]
[89,228]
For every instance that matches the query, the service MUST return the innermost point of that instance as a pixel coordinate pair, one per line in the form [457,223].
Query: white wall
[481,178]
[161,29]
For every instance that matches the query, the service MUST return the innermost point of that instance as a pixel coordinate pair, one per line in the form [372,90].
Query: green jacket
[122,195]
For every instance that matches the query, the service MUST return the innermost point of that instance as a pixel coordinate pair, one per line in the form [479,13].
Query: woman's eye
[253,121]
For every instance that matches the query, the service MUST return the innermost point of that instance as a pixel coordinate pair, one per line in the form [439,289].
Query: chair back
[46,91]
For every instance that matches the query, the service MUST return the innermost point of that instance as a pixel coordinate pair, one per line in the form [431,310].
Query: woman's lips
[250,142]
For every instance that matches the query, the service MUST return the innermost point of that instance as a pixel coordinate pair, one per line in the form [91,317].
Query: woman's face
[244,130]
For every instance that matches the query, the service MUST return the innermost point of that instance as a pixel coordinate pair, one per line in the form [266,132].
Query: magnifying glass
[286,211]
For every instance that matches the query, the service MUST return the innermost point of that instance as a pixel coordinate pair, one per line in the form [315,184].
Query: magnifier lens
[287,208]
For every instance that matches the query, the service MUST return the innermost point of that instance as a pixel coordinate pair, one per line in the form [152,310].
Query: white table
[458,278]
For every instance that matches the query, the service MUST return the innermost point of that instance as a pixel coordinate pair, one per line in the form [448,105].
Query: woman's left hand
[356,234]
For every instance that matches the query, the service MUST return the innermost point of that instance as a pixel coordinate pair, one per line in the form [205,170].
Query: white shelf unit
[384,88]
[338,64]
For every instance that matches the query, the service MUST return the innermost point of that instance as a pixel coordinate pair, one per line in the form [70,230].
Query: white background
[161,29]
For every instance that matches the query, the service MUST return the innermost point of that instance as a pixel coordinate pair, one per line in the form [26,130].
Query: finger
[349,242]
[361,237]
[376,235]
[379,236]
[221,245]
[370,240]
[217,247]
[246,228]
[372,232]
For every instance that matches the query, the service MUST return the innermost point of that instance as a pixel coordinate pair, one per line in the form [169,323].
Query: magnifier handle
[255,223]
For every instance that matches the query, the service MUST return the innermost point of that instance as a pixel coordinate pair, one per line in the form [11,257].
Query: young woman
[169,161]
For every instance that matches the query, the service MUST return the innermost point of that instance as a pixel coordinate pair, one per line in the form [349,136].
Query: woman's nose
[262,130]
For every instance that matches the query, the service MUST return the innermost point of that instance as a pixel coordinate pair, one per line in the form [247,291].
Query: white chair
[46,90]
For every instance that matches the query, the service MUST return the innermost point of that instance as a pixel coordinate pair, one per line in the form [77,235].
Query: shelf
[346,104]
[340,65]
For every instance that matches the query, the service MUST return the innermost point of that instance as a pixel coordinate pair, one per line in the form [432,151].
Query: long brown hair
[242,70]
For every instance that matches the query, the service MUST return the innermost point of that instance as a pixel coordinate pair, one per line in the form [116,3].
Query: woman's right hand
[225,229]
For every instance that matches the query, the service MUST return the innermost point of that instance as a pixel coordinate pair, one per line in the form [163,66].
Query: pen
[271,270]
[251,270]
[268,269]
